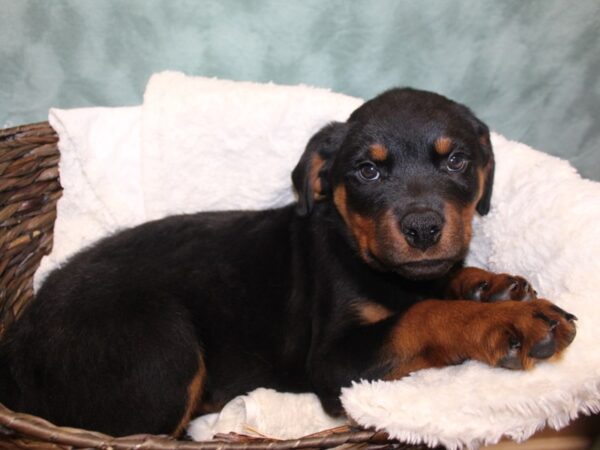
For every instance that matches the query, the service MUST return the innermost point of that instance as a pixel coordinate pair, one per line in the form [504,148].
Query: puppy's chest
[394,293]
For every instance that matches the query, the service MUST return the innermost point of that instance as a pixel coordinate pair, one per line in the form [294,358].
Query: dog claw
[570,317]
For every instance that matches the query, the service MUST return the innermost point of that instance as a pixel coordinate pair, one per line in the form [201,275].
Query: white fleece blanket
[100,171]
[194,145]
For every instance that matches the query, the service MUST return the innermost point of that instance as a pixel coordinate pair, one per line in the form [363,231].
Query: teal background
[530,69]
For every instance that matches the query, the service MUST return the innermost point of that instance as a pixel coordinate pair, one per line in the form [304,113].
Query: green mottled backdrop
[531,69]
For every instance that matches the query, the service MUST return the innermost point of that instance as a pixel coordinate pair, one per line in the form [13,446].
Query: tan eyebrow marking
[378,152]
[443,145]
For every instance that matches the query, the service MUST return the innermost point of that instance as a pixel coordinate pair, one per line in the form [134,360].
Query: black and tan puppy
[362,278]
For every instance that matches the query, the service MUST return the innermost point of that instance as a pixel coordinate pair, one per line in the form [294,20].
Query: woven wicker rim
[15,426]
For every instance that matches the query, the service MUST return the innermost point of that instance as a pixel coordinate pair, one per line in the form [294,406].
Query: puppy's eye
[457,162]
[368,172]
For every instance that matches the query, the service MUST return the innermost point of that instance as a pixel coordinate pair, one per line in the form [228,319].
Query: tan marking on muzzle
[453,241]
[362,228]
[381,237]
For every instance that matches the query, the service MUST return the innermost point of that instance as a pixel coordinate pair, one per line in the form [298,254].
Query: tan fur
[371,312]
[362,228]
[454,240]
[437,333]
[195,389]
[378,152]
[443,145]
[466,281]
[381,236]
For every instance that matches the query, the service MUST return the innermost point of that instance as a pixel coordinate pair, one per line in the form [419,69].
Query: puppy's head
[405,174]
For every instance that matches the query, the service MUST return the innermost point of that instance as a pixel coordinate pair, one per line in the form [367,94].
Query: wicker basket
[29,191]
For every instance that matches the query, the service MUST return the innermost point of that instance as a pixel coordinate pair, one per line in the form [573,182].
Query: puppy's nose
[422,229]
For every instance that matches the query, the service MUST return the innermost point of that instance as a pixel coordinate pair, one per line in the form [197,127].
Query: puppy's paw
[472,283]
[524,333]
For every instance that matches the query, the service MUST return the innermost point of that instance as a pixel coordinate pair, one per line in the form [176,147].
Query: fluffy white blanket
[199,144]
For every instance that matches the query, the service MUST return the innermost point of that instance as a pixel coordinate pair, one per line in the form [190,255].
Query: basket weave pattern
[29,191]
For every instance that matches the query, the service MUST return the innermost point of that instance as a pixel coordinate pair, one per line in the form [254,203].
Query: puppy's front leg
[509,334]
[436,333]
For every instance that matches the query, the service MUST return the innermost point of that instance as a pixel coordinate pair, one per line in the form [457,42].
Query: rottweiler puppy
[361,278]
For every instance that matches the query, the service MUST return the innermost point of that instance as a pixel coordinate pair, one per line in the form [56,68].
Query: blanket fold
[232,143]
[265,412]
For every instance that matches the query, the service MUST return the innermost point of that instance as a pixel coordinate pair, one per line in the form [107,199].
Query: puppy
[362,278]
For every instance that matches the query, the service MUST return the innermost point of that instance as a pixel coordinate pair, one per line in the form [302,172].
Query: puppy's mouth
[425,269]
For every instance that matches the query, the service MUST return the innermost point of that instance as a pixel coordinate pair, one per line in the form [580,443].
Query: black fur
[113,339]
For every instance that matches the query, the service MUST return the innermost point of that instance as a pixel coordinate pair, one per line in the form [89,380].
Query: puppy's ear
[487,157]
[483,133]
[309,176]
